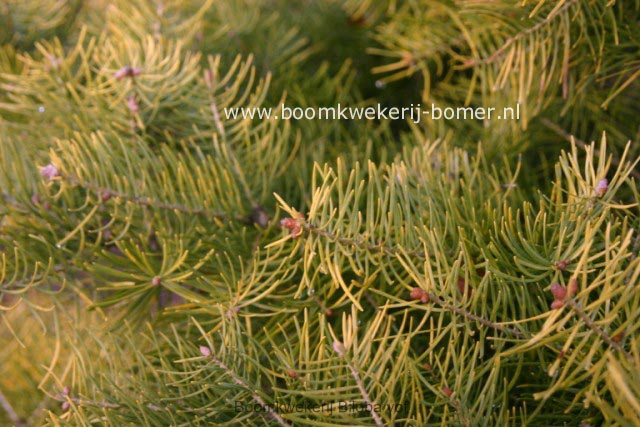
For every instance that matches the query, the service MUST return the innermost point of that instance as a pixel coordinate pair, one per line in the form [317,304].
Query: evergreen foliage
[162,264]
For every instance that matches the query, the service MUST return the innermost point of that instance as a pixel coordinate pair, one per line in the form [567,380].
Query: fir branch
[521,35]
[360,243]
[596,329]
[107,193]
[239,381]
[102,404]
[365,395]
[474,317]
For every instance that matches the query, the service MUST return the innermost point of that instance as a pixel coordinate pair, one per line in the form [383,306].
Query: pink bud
[133,105]
[417,293]
[208,78]
[127,71]
[66,390]
[232,311]
[49,171]
[156,281]
[65,405]
[205,351]
[602,187]
[288,223]
[122,72]
[558,291]
[293,225]
[557,304]
[339,348]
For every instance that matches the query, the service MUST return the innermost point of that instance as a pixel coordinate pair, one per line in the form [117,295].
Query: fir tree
[162,263]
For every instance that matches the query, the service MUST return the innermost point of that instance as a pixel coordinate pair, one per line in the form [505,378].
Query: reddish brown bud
[461,287]
[419,294]
[156,281]
[416,293]
[288,223]
[426,366]
[293,225]
[328,312]
[447,391]
[292,374]
[557,304]
[561,265]
[358,21]
[105,196]
[617,338]
[558,291]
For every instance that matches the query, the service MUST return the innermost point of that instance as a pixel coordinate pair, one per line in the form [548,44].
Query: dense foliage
[161,264]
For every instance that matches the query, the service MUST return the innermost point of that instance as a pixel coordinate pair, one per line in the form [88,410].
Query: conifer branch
[239,381]
[365,395]
[475,318]
[521,35]
[596,329]
[107,193]
[66,398]
[161,178]
[360,243]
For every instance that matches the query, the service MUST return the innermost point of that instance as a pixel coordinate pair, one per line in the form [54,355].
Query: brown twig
[596,329]
[147,201]
[345,241]
[445,305]
[365,395]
